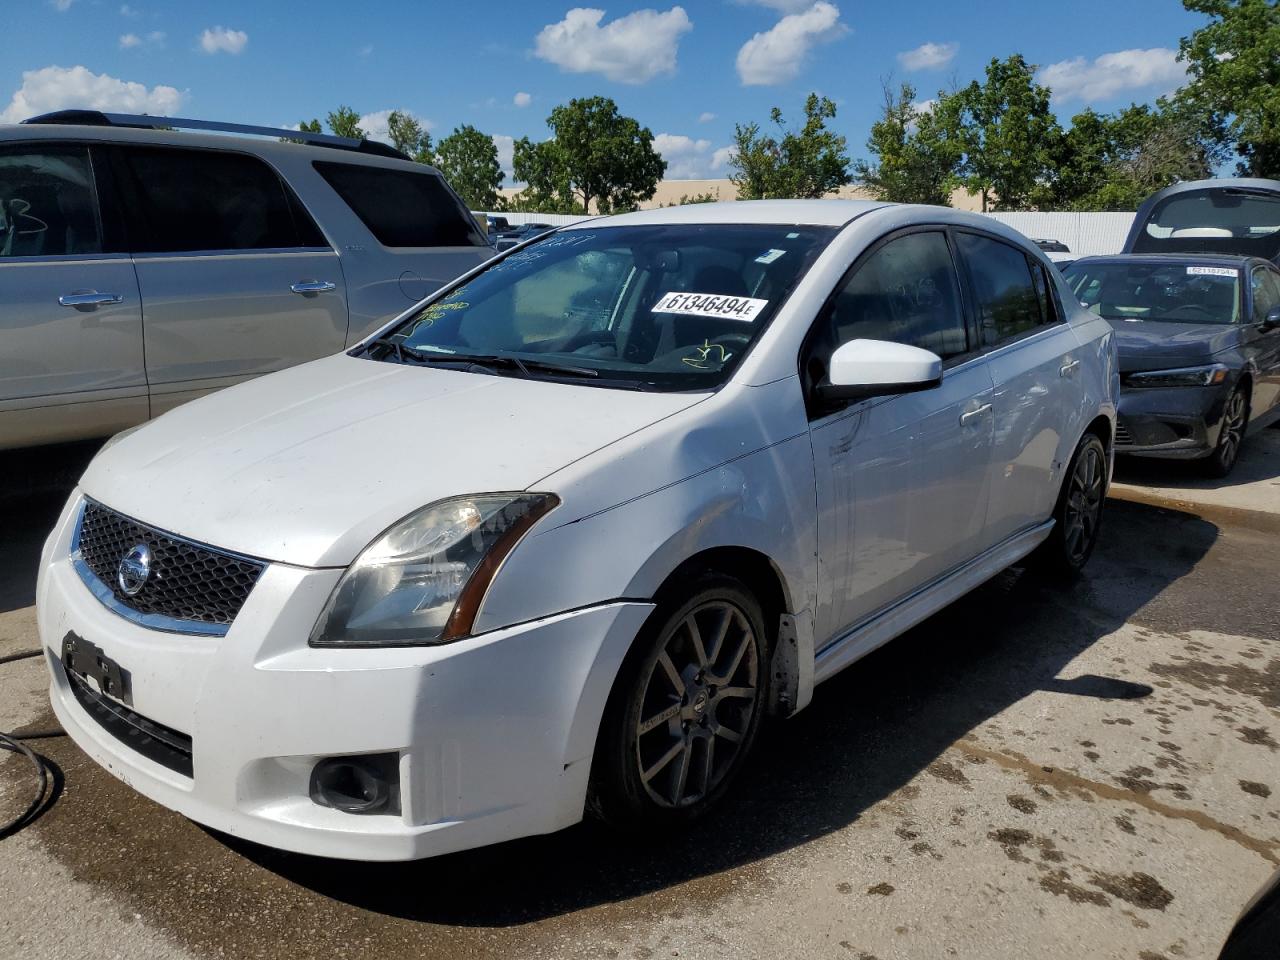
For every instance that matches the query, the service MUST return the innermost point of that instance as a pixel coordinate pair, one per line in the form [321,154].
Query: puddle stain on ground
[1262,685]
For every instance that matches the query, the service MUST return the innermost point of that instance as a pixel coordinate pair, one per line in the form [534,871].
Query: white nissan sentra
[558,539]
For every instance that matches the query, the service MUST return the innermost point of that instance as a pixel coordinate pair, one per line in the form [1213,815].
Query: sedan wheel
[1078,514]
[685,708]
[1235,417]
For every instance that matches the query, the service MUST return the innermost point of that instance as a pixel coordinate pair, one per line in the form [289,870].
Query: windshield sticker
[707,354]
[710,305]
[769,256]
[1213,271]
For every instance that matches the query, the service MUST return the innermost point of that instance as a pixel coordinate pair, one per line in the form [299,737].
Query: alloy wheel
[1233,424]
[1084,503]
[698,704]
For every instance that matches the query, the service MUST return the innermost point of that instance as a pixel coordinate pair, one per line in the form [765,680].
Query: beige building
[671,192]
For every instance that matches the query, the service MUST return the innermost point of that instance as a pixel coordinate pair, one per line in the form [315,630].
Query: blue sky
[687,71]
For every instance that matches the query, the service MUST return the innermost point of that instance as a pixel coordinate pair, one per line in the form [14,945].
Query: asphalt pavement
[1047,771]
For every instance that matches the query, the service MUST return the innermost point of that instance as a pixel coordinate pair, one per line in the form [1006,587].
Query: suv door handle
[1068,368]
[89,299]
[311,287]
[971,415]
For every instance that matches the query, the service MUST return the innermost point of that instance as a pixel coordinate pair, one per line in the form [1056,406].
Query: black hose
[13,743]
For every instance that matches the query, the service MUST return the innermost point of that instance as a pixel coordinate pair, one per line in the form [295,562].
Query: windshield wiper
[525,365]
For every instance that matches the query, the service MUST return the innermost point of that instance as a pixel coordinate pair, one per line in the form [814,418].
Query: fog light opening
[359,785]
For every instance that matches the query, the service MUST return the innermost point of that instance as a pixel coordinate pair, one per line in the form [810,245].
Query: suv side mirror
[1273,319]
[870,368]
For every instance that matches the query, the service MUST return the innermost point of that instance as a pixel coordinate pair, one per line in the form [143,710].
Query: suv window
[1009,300]
[48,204]
[403,208]
[184,200]
[906,291]
[1266,292]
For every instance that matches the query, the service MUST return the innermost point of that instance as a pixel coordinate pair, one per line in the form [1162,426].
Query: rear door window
[185,200]
[403,208]
[1010,302]
[48,202]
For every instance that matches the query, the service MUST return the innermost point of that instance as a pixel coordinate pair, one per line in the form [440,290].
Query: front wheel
[1235,417]
[685,708]
[1078,513]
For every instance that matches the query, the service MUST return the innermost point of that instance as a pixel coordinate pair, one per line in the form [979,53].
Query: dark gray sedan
[1199,342]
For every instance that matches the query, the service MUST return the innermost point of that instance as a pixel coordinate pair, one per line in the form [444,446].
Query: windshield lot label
[1213,271]
[710,305]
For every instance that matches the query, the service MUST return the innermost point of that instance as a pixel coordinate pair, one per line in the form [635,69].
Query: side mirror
[871,368]
[1273,319]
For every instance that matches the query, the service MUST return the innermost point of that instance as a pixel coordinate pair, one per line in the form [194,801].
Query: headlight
[422,581]
[1206,376]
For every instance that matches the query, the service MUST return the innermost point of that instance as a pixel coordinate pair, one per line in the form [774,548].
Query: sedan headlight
[422,581]
[1206,376]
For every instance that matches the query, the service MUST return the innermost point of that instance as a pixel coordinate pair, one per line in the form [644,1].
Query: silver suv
[141,266]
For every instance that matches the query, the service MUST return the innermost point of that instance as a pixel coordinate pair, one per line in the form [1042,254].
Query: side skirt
[928,600]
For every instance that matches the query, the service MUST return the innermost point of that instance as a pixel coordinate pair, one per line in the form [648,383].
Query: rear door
[422,236]
[236,278]
[1035,362]
[70,317]
[1263,341]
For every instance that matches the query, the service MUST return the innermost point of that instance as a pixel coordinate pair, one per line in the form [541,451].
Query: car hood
[309,465]
[1152,345]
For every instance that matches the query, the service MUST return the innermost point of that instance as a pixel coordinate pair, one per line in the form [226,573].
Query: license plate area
[87,661]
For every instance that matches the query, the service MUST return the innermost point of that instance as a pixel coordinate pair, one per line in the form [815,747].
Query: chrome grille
[190,583]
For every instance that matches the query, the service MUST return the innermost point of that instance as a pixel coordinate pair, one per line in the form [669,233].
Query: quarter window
[208,200]
[1010,302]
[403,208]
[48,204]
[906,292]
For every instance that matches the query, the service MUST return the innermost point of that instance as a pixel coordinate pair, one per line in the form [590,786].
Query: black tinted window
[205,200]
[1008,301]
[403,208]
[905,292]
[48,205]
[1215,220]
[1266,293]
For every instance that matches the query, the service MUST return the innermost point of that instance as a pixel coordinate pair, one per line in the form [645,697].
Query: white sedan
[558,539]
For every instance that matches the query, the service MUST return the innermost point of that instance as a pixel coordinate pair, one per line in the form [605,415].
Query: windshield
[671,307]
[1179,292]
[1216,220]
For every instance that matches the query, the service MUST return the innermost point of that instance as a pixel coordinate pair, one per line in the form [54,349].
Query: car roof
[834,213]
[260,146]
[1238,259]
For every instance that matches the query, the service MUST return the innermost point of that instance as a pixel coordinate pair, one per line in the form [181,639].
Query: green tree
[1006,131]
[345,122]
[810,162]
[915,157]
[409,137]
[469,161]
[541,167]
[1234,62]
[310,126]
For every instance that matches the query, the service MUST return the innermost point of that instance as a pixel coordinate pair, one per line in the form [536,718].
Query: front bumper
[1170,422]
[493,734]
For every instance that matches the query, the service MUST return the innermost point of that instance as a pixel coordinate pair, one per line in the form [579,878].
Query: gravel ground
[1038,771]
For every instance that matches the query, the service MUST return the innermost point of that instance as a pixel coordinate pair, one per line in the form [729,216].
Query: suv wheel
[1078,513]
[1235,417]
[684,712]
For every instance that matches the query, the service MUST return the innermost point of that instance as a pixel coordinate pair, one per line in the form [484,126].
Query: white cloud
[375,127]
[928,56]
[130,41]
[522,99]
[706,117]
[62,6]
[59,88]
[1156,69]
[631,49]
[687,159]
[778,54]
[223,40]
[720,159]
[506,153]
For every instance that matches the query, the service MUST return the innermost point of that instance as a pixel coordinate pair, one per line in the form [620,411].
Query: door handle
[89,299]
[311,287]
[1068,368]
[971,415]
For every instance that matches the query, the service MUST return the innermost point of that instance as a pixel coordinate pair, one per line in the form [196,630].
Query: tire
[701,705]
[1235,418]
[1078,513]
